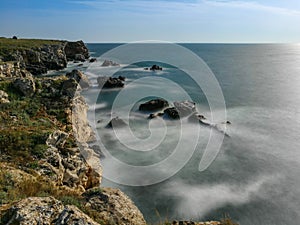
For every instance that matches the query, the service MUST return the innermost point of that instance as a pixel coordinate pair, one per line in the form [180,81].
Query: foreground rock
[111,82]
[25,85]
[3,97]
[172,113]
[47,210]
[155,104]
[81,79]
[109,63]
[113,207]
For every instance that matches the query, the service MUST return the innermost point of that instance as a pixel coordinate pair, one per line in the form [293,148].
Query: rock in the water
[116,123]
[80,78]
[195,117]
[3,97]
[110,82]
[46,210]
[155,104]
[172,113]
[109,63]
[155,67]
[185,108]
[93,60]
[25,85]
[113,207]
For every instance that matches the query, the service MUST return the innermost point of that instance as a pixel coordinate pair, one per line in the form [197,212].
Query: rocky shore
[48,172]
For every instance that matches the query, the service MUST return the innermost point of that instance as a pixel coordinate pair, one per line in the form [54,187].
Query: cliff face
[39,56]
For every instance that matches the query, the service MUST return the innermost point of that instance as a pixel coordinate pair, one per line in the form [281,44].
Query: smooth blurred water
[255,178]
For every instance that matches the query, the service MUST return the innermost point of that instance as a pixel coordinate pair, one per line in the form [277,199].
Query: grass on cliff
[27,122]
[9,45]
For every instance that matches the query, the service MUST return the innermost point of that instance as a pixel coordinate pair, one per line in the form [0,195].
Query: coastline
[75,174]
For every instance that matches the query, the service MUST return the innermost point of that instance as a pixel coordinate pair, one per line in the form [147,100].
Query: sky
[198,21]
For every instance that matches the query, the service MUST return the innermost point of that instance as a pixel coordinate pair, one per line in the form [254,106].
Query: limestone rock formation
[3,97]
[79,77]
[47,210]
[9,69]
[113,206]
[73,51]
[25,85]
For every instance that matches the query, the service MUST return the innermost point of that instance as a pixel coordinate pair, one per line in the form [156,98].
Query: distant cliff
[39,56]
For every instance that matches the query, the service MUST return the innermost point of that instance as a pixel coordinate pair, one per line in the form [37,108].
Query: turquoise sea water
[256,176]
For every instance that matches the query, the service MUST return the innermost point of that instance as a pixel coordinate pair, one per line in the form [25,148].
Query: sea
[250,172]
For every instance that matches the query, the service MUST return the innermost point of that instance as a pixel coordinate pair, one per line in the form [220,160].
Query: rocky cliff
[39,56]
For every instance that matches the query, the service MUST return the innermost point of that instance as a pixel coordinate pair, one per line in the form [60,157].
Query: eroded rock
[109,63]
[25,85]
[111,82]
[79,77]
[3,97]
[155,104]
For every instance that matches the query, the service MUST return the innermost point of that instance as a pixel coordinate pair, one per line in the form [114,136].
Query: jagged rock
[73,48]
[185,108]
[116,123]
[172,113]
[3,97]
[155,104]
[70,88]
[110,82]
[9,69]
[80,57]
[46,210]
[195,117]
[82,130]
[155,67]
[25,85]
[109,63]
[113,207]
[79,77]
[57,138]
[93,60]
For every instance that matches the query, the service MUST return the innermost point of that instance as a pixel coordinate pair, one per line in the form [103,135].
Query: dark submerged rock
[109,63]
[172,113]
[155,104]
[110,82]
[185,108]
[116,123]
[93,60]
[155,67]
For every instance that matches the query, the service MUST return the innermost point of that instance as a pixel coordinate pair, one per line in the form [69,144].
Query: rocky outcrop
[113,207]
[109,63]
[111,82]
[9,69]
[172,113]
[153,105]
[3,97]
[76,51]
[47,210]
[81,79]
[155,67]
[25,85]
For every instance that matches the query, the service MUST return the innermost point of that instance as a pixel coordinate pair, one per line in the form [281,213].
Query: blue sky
[222,21]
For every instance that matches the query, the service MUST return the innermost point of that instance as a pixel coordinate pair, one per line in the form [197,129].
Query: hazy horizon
[189,21]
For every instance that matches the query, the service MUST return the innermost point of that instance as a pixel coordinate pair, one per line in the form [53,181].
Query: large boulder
[113,206]
[70,88]
[25,85]
[154,104]
[45,210]
[79,77]
[3,97]
[110,82]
